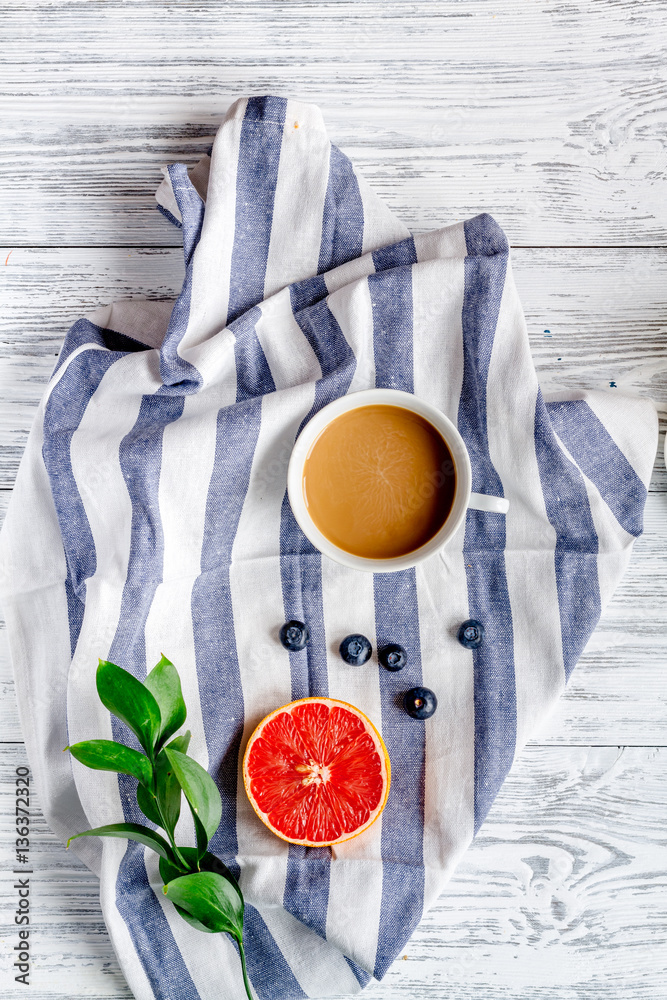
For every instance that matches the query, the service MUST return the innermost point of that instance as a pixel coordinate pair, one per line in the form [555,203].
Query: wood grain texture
[550,115]
[594,316]
[617,694]
[562,890]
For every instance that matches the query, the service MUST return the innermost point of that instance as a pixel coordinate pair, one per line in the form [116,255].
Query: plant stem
[246,981]
[182,863]
[179,857]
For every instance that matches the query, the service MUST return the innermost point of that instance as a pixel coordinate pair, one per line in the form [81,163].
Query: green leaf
[200,834]
[130,701]
[168,873]
[148,806]
[208,863]
[168,791]
[200,790]
[189,919]
[165,685]
[181,743]
[210,899]
[210,902]
[106,755]
[131,831]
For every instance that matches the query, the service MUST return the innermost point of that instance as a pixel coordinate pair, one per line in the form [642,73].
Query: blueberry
[355,649]
[420,703]
[294,635]
[393,656]
[471,634]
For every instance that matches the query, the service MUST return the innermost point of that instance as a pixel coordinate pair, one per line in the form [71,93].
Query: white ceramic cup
[463,497]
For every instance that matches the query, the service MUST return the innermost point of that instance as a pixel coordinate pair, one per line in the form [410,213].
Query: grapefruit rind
[379,746]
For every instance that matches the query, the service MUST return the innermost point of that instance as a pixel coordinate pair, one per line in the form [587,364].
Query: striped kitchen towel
[150,514]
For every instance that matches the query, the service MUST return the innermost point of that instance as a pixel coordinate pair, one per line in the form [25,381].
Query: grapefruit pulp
[316,772]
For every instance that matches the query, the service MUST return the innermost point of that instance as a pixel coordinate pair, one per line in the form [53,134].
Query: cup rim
[379,397]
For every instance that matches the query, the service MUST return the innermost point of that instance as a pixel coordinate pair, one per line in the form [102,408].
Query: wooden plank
[617,693]
[561,896]
[550,117]
[71,951]
[594,316]
[555,885]
[45,291]
[605,315]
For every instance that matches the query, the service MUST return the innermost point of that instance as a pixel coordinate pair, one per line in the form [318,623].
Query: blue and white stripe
[154,483]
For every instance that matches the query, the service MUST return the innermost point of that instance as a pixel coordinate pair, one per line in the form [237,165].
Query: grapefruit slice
[317,772]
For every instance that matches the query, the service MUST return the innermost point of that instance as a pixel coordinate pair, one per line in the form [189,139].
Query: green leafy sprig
[201,887]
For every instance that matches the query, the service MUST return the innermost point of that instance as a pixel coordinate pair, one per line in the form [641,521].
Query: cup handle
[495,505]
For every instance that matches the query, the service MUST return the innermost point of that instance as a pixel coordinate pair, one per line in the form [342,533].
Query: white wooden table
[550,115]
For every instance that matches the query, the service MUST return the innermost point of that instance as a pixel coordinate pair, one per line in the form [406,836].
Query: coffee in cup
[379,481]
